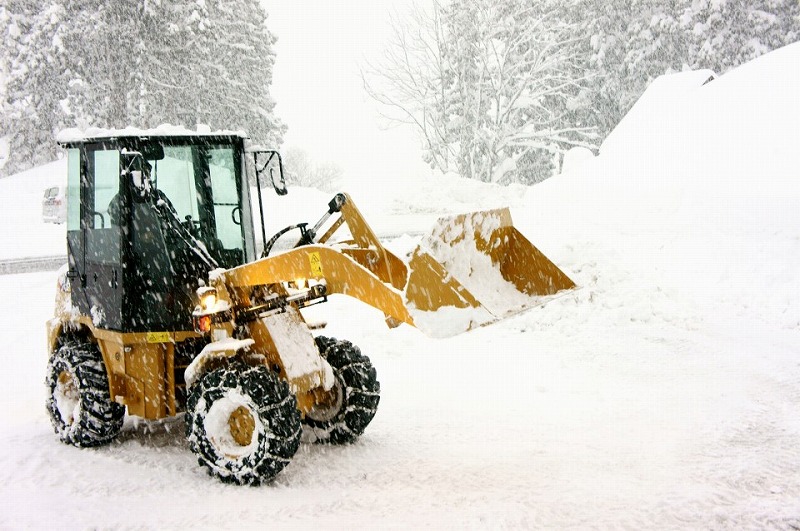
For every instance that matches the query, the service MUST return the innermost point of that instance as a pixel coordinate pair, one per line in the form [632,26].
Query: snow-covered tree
[142,62]
[213,61]
[488,85]
[413,79]
[634,41]
[300,170]
[727,33]
[517,79]
[35,91]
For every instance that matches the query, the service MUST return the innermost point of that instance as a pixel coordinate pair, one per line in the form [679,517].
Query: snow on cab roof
[95,133]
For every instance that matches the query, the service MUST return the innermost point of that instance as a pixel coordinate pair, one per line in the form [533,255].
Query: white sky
[317,85]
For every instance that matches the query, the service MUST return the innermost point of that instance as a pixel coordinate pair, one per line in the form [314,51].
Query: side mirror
[269,164]
[152,151]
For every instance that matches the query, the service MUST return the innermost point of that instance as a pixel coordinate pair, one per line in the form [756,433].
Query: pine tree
[730,33]
[235,52]
[102,63]
[634,41]
[34,51]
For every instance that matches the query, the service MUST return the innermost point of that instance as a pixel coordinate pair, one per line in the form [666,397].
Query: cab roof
[93,134]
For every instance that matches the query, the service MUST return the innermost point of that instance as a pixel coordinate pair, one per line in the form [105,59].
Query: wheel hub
[329,404]
[242,426]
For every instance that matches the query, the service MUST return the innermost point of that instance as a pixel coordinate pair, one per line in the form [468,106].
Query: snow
[664,393]
[453,244]
[449,320]
[298,350]
[211,351]
[76,135]
[216,425]
[22,195]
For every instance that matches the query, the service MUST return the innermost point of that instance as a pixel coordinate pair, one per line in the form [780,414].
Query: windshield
[201,183]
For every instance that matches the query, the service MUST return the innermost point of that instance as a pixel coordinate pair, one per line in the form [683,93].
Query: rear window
[51,192]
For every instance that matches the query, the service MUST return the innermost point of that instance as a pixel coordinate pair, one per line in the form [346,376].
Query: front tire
[352,402]
[79,403]
[243,424]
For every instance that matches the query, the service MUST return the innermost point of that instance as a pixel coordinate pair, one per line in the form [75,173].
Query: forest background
[496,91]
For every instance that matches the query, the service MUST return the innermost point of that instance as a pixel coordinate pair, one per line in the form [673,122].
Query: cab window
[73,189]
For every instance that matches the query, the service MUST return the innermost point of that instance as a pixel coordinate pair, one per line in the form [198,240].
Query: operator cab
[156,214]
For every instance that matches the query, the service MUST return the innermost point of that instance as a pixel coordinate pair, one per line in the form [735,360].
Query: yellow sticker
[158,337]
[316,264]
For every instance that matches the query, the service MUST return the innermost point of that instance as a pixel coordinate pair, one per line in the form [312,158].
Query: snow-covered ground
[663,393]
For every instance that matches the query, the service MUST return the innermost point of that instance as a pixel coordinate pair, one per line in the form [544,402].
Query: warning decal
[316,264]
[158,337]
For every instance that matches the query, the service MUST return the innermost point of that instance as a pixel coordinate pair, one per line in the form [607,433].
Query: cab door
[103,243]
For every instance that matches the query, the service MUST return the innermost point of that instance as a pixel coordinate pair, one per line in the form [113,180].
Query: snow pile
[449,321]
[705,200]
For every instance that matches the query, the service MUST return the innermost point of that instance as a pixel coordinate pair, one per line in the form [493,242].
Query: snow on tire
[242,423]
[353,401]
[78,402]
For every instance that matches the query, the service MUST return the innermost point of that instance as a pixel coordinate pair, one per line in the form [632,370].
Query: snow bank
[699,187]
[659,115]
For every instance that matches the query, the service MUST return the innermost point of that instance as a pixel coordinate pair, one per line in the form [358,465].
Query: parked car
[54,204]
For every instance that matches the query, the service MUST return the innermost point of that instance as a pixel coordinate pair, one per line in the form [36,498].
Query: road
[32,264]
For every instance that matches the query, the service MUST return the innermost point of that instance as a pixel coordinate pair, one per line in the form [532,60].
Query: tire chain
[100,418]
[361,392]
[276,408]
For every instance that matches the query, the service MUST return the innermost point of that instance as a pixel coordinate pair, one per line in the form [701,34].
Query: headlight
[210,310]
[208,298]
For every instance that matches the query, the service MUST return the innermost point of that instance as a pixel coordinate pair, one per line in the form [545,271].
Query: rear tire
[353,400]
[79,403]
[242,423]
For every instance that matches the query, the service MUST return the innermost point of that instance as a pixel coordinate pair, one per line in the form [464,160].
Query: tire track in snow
[753,472]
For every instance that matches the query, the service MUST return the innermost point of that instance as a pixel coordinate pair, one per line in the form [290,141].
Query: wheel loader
[168,306]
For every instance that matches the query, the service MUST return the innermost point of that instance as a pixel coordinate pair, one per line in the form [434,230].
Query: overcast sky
[318,88]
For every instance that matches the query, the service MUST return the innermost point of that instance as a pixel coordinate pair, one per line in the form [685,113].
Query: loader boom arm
[477,265]
[341,273]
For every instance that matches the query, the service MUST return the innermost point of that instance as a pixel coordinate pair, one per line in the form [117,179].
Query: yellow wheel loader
[166,307]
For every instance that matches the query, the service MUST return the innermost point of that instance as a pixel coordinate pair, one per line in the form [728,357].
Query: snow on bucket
[474,269]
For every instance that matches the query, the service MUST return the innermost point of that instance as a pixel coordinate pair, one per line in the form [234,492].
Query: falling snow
[663,392]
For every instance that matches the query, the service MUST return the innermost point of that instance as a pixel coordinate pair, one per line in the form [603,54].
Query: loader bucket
[474,269]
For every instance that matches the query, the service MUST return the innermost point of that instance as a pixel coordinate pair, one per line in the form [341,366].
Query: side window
[226,197]
[73,189]
[106,185]
[175,175]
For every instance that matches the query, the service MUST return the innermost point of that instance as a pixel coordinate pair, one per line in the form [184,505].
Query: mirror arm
[283,190]
[260,199]
[264,167]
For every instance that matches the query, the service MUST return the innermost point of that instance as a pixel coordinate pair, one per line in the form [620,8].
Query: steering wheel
[305,237]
